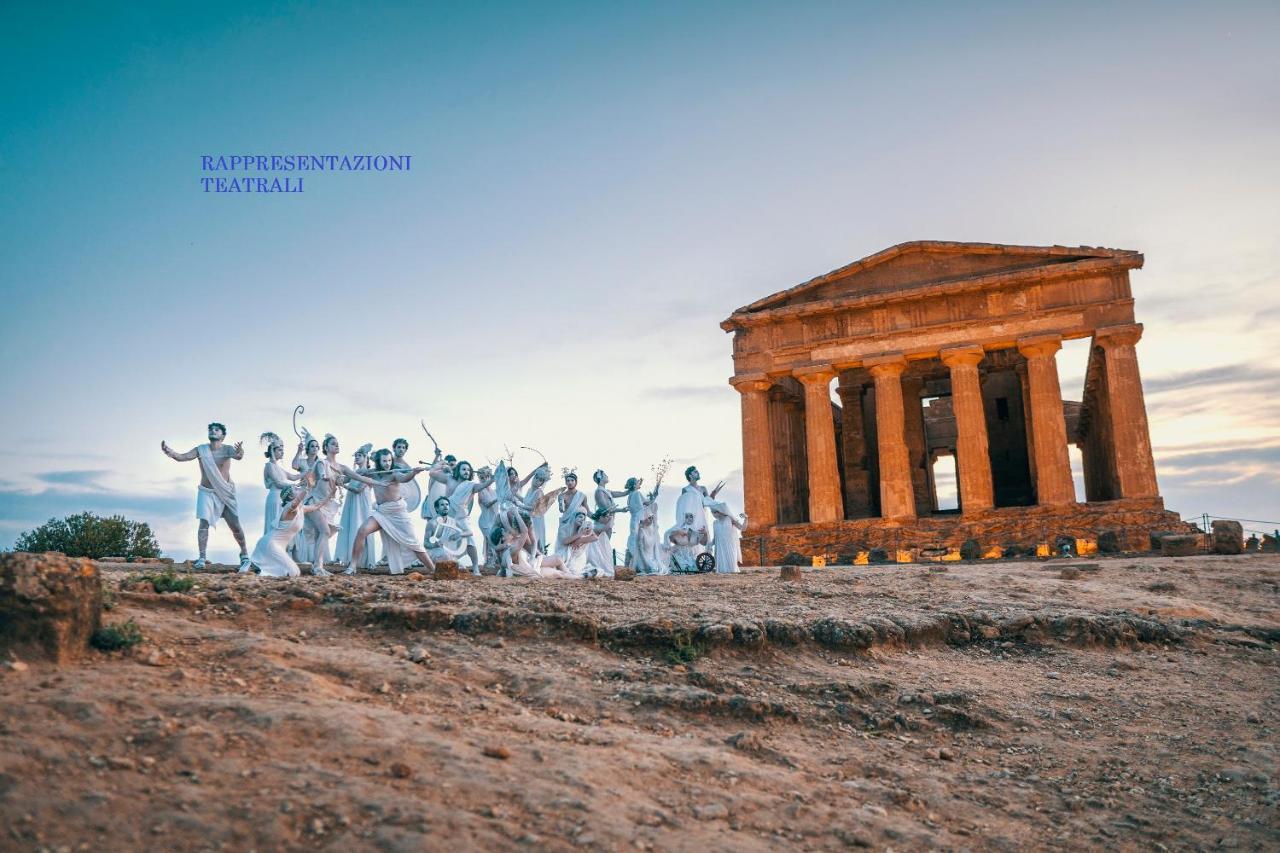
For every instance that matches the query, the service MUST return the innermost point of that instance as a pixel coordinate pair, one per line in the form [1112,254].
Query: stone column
[1134,465]
[820,443]
[757,451]
[973,457]
[1048,425]
[897,497]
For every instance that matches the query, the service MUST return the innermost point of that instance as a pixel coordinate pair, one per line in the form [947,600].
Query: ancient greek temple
[940,350]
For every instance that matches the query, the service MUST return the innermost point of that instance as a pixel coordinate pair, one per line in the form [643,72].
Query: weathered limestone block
[1179,545]
[622,573]
[1228,537]
[50,604]
[791,573]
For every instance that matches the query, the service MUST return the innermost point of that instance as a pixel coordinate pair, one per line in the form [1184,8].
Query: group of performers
[318,501]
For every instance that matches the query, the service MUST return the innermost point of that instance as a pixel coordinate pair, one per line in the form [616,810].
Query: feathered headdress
[567,472]
[269,438]
[365,448]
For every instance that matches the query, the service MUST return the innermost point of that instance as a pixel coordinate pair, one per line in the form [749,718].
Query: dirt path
[991,706]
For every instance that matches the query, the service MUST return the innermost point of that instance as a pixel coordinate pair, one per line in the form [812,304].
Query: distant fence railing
[1205,522]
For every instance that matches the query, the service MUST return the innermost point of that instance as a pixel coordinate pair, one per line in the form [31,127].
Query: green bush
[166,581]
[114,637]
[89,535]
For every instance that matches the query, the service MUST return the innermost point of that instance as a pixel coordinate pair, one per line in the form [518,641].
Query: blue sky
[595,187]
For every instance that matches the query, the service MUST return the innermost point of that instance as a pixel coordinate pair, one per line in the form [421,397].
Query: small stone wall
[1132,522]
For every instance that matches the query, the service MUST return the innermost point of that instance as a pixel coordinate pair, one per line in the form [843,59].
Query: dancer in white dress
[323,523]
[356,510]
[728,528]
[651,556]
[580,533]
[637,503]
[691,502]
[304,460]
[604,517]
[538,502]
[569,502]
[274,478]
[216,495]
[270,556]
[517,552]
[390,515]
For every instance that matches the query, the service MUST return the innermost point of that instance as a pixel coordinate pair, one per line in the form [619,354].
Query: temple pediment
[925,264]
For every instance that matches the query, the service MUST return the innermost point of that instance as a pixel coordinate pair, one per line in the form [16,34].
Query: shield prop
[412,494]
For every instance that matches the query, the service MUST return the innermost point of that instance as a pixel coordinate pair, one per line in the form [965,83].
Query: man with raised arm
[216,496]
[691,503]
[399,539]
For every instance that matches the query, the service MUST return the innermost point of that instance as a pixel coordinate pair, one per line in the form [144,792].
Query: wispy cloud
[84,479]
[691,393]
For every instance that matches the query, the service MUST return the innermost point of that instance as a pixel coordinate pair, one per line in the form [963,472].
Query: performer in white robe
[390,515]
[690,502]
[637,504]
[444,539]
[356,510]
[605,515]
[216,495]
[274,478]
[570,502]
[579,536]
[517,554]
[534,500]
[270,556]
[488,499]
[323,523]
[728,529]
[461,489]
[651,556]
[304,461]
[684,540]
[435,491]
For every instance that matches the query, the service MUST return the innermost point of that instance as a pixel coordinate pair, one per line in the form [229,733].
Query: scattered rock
[622,573]
[301,604]
[400,770]
[447,570]
[418,654]
[50,605]
[946,755]
[415,576]
[1069,573]
[1228,537]
[496,751]
[791,573]
[711,811]
[17,666]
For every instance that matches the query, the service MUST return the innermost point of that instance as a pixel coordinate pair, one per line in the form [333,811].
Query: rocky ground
[1130,703]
